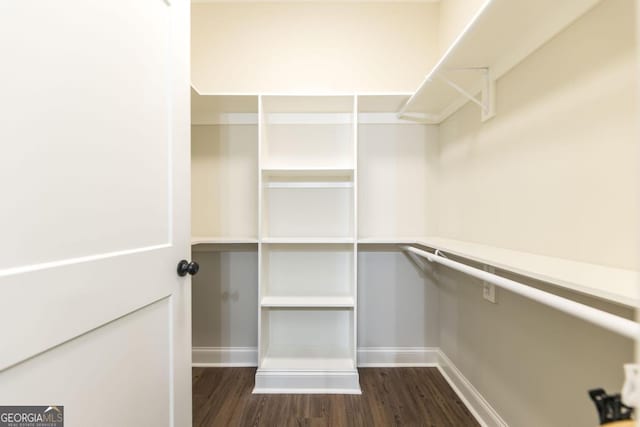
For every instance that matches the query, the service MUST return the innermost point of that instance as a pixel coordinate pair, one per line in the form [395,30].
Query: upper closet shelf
[499,36]
[311,171]
[222,240]
[223,109]
[308,240]
[611,284]
[309,184]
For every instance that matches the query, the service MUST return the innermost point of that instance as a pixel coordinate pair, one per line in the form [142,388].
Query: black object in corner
[610,407]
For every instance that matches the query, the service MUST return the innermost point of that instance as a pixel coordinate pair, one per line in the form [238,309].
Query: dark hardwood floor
[390,397]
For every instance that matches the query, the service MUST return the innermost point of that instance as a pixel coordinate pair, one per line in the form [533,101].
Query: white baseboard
[396,357]
[347,382]
[307,382]
[218,357]
[473,400]
[367,356]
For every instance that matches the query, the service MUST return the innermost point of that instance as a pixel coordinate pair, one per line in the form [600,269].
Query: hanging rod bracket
[486,102]
[438,252]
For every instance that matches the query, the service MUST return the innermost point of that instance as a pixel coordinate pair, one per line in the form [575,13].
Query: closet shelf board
[222,240]
[309,184]
[308,240]
[311,171]
[615,285]
[499,36]
[300,301]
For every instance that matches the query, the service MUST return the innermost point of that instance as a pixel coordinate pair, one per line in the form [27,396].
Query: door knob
[185,267]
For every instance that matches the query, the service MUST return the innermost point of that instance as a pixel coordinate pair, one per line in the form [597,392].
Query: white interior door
[94,210]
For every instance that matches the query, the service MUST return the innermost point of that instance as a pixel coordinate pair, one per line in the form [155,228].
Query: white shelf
[222,240]
[501,34]
[386,240]
[284,172]
[308,240]
[606,283]
[305,301]
[307,364]
[221,109]
[309,184]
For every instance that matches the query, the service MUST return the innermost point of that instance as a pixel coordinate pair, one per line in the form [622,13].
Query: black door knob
[185,267]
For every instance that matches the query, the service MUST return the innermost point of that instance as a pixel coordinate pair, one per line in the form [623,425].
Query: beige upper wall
[453,16]
[555,172]
[312,46]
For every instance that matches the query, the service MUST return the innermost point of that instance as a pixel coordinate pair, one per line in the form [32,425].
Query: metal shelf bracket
[487,94]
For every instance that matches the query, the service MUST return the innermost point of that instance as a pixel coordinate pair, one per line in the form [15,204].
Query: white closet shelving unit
[307,245]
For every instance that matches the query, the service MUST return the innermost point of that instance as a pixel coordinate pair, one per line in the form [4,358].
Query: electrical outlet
[489,292]
[489,289]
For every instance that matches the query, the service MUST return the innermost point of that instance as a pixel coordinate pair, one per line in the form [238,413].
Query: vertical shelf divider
[355,229]
[261,122]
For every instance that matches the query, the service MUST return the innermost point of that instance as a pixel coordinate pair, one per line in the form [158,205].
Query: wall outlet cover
[489,289]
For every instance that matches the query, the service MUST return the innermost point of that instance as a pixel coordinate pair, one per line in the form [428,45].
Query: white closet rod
[620,325]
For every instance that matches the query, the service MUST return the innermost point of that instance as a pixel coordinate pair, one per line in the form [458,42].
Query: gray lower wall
[532,363]
[225,298]
[397,303]
[395,307]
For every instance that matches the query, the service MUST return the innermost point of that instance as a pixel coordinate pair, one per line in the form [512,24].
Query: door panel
[94,178]
[53,305]
[88,84]
[121,359]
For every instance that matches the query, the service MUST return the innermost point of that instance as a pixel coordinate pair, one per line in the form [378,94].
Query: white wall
[307,46]
[554,173]
[224,181]
[392,179]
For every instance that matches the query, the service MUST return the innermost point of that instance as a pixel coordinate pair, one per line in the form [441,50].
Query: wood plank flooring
[390,397]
